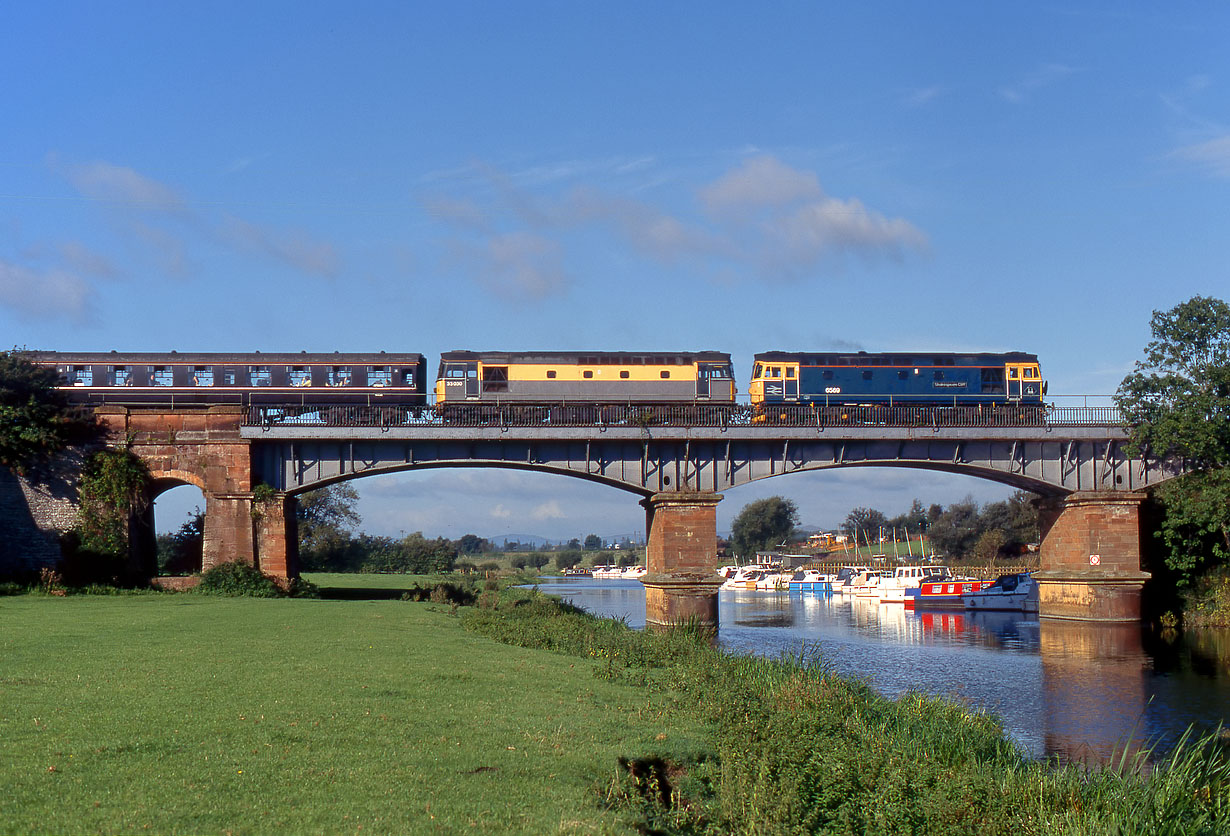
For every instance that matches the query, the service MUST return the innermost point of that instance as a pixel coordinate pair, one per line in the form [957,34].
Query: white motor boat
[1018,593]
[905,582]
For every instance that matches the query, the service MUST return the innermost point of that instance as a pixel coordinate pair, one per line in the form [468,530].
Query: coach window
[407,376]
[228,378]
[259,376]
[164,376]
[121,376]
[338,376]
[299,376]
[82,376]
[379,376]
[202,375]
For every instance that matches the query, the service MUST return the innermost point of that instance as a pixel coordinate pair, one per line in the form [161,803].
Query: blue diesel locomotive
[896,379]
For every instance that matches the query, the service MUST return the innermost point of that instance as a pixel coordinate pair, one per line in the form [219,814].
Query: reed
[794,748]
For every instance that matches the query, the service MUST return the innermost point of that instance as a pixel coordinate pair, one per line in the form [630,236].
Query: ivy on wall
[112,487]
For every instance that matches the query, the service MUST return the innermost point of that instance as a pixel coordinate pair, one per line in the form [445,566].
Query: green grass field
[193,714]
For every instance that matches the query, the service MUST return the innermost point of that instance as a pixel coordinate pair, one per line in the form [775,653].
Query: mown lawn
[192,714]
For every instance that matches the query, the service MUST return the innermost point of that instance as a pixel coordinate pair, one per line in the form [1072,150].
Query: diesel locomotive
[900,379]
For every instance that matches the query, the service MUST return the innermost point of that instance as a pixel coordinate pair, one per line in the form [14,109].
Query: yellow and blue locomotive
[896,379]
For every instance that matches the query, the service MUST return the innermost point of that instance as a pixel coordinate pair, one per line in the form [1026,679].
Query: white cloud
[294,248]
[48,294]
[923,96]
[1212,156]
[518,265]
[499,512]
[646,228]
[547,511]
[118,184]
[84,260]
[1044,76]
[820,228]
[759,182]
[457,211]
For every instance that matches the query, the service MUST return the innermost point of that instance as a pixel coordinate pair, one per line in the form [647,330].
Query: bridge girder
[1045,461]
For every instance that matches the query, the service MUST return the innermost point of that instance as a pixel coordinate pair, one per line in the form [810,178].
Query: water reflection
[1081,692]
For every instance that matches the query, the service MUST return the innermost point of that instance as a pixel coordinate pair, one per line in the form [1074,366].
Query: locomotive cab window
[379,376]
[259,376]
[202,375]
[163,376]
[455,371]
[790,372]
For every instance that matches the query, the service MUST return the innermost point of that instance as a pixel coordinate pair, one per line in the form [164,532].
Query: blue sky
[411,177]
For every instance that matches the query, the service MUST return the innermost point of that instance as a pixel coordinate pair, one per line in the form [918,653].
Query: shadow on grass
[363,593]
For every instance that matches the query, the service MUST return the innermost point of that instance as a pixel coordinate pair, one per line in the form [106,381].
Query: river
[1080,692]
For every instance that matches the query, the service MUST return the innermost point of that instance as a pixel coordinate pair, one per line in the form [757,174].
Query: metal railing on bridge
[483,415]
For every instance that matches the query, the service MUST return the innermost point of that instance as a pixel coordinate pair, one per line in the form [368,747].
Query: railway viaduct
[250,465]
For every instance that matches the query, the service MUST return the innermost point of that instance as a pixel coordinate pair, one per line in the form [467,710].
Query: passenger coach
[246,379]
[896,379]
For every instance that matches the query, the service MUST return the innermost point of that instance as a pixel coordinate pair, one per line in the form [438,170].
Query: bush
[239,579]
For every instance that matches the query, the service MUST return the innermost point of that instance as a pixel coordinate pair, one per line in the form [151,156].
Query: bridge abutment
[1090,556]
[682,583]
[205,447]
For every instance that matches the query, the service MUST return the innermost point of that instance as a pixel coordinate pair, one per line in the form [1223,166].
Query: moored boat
[1017,592]
[943,593]
[810,580]
[905,582]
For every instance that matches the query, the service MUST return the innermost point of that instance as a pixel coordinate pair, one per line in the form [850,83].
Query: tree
[957,530]
[863,523]
[472,544]
[592,542]
[327,517]
[574,543]
[180,553]
[1177,403]
[35,419]
[567,559]
[763,523]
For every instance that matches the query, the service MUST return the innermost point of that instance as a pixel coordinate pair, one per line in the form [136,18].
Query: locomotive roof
[895,358]
[221,357]
[666,358]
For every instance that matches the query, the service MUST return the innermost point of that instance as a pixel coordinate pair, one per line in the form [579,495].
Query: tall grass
[795,748]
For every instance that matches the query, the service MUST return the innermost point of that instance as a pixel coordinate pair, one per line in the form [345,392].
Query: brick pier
[1090,556]
[682,583]
[203,447]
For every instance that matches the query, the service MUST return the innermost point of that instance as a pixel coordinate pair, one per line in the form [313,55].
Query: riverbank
[795,748]
[170,713]
[362,712]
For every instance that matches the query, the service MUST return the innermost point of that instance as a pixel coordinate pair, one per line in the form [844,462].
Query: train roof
[594,358]
[895,358]
[221,357]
